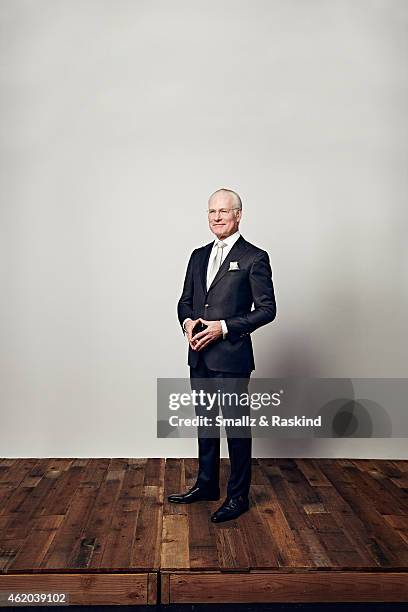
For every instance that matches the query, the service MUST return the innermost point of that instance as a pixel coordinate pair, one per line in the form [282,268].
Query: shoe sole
[192,501]
[231,517]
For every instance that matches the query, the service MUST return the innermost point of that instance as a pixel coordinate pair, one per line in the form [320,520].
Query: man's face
[223,216]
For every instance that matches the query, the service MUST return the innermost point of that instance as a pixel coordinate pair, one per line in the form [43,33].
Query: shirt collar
[230,240]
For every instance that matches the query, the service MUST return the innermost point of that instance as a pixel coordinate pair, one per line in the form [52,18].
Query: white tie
[216,264]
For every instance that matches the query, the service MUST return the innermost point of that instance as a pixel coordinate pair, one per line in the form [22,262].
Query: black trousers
[239,438]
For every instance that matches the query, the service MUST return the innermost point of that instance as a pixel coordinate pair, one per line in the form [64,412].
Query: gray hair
[234,194]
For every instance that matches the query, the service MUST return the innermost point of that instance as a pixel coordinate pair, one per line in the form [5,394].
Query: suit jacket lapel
[234,253]
[204,264]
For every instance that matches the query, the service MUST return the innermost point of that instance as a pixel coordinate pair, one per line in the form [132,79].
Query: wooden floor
[103,531]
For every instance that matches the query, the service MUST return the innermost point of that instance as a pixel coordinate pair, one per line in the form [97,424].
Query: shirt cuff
[184,322]
[224,328]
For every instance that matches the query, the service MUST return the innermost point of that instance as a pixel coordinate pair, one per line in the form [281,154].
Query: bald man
[228,293]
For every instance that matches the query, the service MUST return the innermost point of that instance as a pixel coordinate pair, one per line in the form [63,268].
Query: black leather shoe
[194,494]
[231,509]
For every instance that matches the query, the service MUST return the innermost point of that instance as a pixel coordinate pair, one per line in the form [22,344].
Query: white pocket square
[233,266]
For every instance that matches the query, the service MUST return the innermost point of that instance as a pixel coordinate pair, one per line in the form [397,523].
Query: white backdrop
[118,119]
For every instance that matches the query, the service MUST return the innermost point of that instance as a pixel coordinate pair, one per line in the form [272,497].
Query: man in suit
[228,293]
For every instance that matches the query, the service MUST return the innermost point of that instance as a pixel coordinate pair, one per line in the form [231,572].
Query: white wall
[118,118]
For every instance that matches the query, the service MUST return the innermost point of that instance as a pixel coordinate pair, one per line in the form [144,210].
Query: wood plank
[59,553]
[284,496]
[174,482]
[146,547]
[124,512]
[5,493]
[358,530]
[164,589]
[60,495]
[341,550]
[366,545]
[152,588]
[365,465]
[96,471]
[83,478]
[312,473]
[154,472]
[22,507]
[400,523]
[393,549]
[82,589]
[97,534]
[5,465]
[317,550]
[202,542]
[9,550]
[332,500]
[232,554]
[289,588]
[401,464]
[190,471]
[260,544]
[12,489]
[175,552]
[291,548]
[258,476]
[37,544]
[394,479]
[14,471]
[304,547]
[381,497]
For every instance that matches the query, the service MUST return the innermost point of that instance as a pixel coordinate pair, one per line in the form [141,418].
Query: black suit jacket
[230,297]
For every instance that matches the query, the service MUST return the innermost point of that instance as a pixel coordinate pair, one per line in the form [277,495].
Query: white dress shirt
[230,241]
